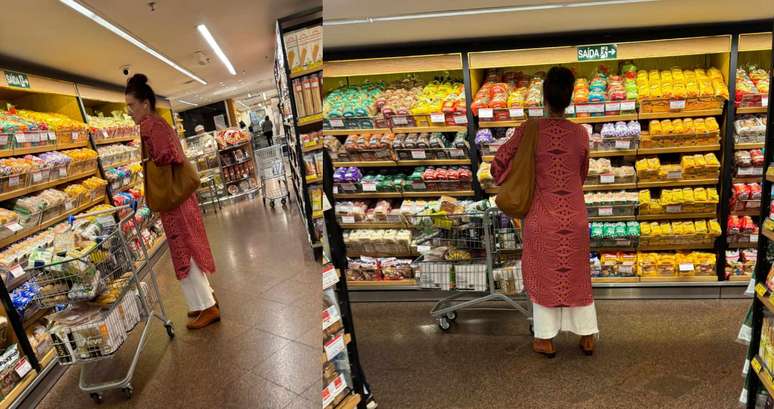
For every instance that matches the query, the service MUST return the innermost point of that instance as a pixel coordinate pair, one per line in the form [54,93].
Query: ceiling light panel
[80,8]
[216,48]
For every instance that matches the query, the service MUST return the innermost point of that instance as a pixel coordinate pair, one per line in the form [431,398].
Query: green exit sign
[597,52]
[17,79]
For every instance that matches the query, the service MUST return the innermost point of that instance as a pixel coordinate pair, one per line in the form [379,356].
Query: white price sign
[607,179]
[437,118]
[764,101]
[677,104]
[421,249]
[329,316]
[69,205]
[420,154]
[76,136]
[369,186]
[418,185]
[626,269]
[570,110]
[399,120]
[686,267]
[486,113]
[535,112]
[52,136]
[623,144]
[335,346]
[460,120]
[674,208]
[23,367]
[456,153]
[329,277]
[105,134]
[337,123]
[14,227]
[516,112]
[62,172]
[13,181]
[675,174]
[612,106]
[35,137]
[17,271]
[37,177]
[605,211]
[753,238]
[335,190]
[333,389]
[21,138]
[628,106]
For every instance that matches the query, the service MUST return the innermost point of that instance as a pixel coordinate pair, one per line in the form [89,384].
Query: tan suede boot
[587,344]
[205,318]
[194,314]
[544,346]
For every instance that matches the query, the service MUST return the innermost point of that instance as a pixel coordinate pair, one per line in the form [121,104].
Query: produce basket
[10,183]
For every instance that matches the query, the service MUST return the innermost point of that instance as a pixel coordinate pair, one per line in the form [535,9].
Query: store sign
[597,52]
[17,79]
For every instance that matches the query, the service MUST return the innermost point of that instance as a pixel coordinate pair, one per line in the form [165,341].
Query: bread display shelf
[429,129]
[500,124]
[746,212]
[44,148]
[680,114]
[752,110]
[607,154]
[306,71]
[609,186]
[615,280]
[312,148]
[676,182]
[679,149]
[458,193]
[368,195]
[669,247]
[355,131]
[749,145]
[603,118]
[677,279]
[43,186]
[352,226]
[392,163]
[108,141]
[676,216]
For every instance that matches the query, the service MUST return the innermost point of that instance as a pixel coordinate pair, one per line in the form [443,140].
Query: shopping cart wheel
[451,316]
[128,392]
[444,323]
[96,397]
[170,330]
[283,201]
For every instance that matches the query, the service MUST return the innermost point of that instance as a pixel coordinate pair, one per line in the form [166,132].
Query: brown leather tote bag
[515,195]
[166,187]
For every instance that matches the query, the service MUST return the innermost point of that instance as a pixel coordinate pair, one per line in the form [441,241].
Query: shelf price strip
[329,316]
[333,389]
[335,346]
[329,277]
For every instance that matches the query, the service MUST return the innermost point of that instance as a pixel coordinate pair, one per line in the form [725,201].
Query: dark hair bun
[138,79]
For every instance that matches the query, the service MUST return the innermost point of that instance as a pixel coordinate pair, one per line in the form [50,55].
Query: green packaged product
[596,230]
[620,230]
[608,230]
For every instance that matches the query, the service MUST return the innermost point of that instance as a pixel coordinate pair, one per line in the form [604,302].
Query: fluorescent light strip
[475,12]
[187,103]
[216,48]
[128,37]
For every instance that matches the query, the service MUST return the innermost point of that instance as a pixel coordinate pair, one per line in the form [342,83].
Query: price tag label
[20,137]
[764,101]
[37,177]
[52,136]
[612,106]
[368,186]
[13,181]
[456,153]
[399,120]
[675,174]
[570,110]
[628,105]
[760,289]
[62,172]
[337,123]
[607,179]
[348,219]
[335,190]
[23,367]
[104,133]
[335,346]
[393,218]
[595,108]
[418,185]
[745,171]
[421,249]
[35,137]
[626,269]
[329,277]
[623,144]
[69,205]
[605,211]
[3,139]
[674,208]
[437,118]
[420,154]
[17,271]
[486,113]
[333,389]
[753,238]
[753,204]
[516,112]
[686,267]
[677,104]
[14,227]
[536,112]
[76,136]
[460,120]
[348,187]
[329,316]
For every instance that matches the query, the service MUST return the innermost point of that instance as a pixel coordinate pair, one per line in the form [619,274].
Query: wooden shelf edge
[680,114]
[42,186]
[350,402]
[679,279]
[354,131]
[751,110]
[676,216]
[115,140]
[615,279]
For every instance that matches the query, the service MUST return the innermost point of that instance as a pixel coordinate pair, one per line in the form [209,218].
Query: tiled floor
[652,354]
[265,353]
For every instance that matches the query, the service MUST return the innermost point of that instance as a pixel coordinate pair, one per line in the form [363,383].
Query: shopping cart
[473,253]
[98,283]
[271,165]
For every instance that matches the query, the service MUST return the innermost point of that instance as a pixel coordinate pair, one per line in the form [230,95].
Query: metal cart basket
[98,282]
[271,167]
[475,253]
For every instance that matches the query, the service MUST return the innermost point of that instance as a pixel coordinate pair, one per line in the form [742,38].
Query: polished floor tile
[261,355]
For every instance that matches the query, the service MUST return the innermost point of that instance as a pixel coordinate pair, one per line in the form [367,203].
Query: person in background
[186,235]
[242,124]
[555,260]
[268,130]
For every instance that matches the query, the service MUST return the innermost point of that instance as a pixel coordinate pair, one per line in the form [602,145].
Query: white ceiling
[48,33]
[656,13]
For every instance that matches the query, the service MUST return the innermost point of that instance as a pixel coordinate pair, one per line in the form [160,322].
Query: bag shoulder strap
[531,132]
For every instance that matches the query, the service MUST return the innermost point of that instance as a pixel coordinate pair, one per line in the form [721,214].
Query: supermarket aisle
[653,354]
[266,351]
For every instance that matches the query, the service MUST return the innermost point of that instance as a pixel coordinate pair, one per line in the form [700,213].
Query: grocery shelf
[382,283]
[613,249]
[108,141]
[677,182]
[609,186]
[501,124]
[680,114]
[751,110]
[763,373]
[350,402]
[310,119]
[46,224]
[458,193]
[745,278]
[367,195]
[612,218]
[41,149]
[9,400]
[317,214]
[749,145]
[743,245]
[355,131]
[352,226]
[615,280]
[679,149]
[42,186]
[438,162]
[366,164]
[682,246]
[618,152]
[121,163]
[306,71]
[312,148]
[747,179]
[678,279]
[676,216]
[420,129]
[746,212]
[603,118]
